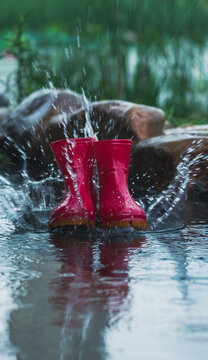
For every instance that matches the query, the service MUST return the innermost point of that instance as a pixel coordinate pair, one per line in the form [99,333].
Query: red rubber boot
[75,159]
[117,208]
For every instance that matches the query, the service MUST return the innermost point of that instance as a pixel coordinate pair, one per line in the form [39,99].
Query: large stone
[35,113]
[37,121]
[154,162]
[122,119]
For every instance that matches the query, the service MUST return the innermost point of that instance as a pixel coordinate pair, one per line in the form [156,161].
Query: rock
[122,119]
[154,161]
[4,100]
[36,122]
[36,111]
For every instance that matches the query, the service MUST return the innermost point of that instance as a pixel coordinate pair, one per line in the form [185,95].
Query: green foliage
[175,18]
[19,47]
[33,69]
[86,44]
[145,88]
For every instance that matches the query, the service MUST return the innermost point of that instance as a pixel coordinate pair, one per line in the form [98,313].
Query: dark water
[102,295]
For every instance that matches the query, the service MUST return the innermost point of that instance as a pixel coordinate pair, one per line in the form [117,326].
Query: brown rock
[154,161]
[37,110]
[37,121]
[122,119]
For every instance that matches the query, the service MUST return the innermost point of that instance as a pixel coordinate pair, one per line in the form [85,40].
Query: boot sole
[136,224]
[72,222]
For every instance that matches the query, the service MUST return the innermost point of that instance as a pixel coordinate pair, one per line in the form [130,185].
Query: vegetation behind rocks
[151,52]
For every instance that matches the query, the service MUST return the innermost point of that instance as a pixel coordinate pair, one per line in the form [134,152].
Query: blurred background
[153,52]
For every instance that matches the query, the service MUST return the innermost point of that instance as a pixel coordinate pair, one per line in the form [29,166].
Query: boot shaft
[112,153]
[112,157]
[75,159]
[76,162]
[117,208]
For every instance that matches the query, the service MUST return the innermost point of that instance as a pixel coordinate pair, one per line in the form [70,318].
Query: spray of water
[167,210]
[88,129]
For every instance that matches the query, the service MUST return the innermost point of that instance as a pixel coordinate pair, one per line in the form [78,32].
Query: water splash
[88,129]
[167,210]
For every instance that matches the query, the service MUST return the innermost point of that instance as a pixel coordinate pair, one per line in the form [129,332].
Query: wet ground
[118,295]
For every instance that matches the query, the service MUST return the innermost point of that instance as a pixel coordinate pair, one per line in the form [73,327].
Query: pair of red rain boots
[76,159]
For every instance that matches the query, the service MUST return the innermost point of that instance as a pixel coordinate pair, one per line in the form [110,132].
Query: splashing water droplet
[88,129]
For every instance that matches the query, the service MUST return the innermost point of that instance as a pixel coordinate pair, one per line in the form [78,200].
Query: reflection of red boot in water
[94,279]
[76,161]
[117,208]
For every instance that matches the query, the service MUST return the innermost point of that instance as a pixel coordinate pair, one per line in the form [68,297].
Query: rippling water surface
[102,295]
